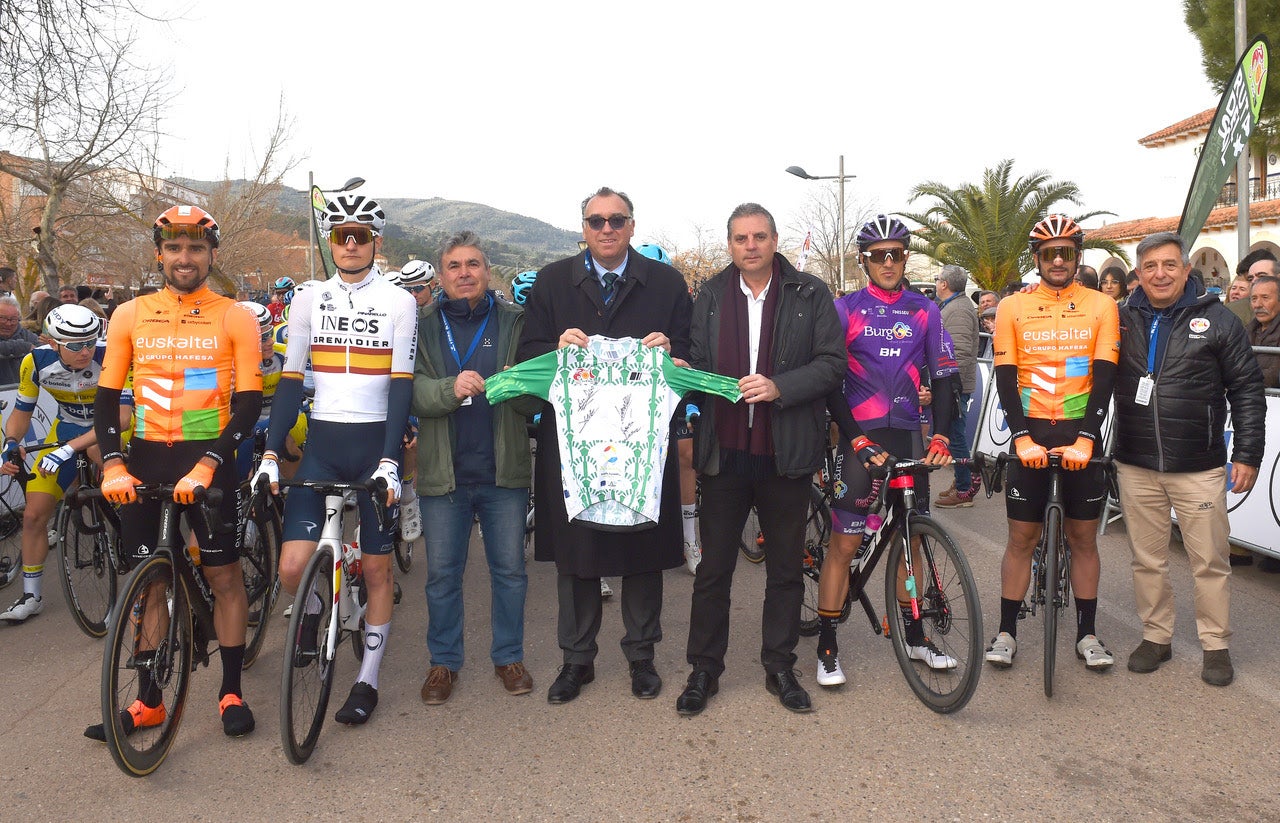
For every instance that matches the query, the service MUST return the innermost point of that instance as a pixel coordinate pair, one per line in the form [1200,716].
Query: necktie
[610,279]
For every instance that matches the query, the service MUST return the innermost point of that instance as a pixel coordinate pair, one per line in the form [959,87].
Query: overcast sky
[690,107]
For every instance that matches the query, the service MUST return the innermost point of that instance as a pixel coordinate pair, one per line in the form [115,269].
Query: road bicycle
[10,530]
[88,529]
[158,633]
[925,568]
[87,541]
[333,579]
[1051,558]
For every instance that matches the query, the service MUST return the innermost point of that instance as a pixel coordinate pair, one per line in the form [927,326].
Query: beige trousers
[1200,501]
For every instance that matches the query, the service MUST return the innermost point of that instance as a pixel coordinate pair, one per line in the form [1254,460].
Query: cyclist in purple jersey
[887,336]
[891,334]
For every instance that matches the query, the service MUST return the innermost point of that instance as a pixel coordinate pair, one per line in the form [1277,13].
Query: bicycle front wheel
[10,547]
[817,536]
[943,670]
[307,678]
[147,662]
[1053,600]
[87,546]
[260,564]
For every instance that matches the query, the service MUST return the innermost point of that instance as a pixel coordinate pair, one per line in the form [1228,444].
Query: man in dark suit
[775,330]
[610,290]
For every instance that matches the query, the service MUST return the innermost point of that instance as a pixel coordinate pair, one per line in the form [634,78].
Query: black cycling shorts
[348,453]
[853,483]
[1026,491]
[153,462]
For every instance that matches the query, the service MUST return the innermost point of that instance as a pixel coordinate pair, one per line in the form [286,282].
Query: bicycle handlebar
[376,489]
[151,491]
[995,483]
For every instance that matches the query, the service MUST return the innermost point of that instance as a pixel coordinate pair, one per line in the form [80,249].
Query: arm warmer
[245,408]
[945,390]
[838,408]
[1104,382]
[399,396]
[284,412]
[106,419]
[1007,390]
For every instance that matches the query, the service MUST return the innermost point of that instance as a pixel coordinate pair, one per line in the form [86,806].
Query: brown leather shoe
[515,678]
[438,686]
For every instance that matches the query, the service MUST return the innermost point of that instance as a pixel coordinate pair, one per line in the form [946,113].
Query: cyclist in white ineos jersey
[359,331]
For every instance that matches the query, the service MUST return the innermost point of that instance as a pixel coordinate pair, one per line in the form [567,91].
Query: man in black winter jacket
[1183,358]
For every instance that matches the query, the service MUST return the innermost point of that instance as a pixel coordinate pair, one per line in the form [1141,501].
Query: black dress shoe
[789,691]
[645,682]
[569,682]
[696,693]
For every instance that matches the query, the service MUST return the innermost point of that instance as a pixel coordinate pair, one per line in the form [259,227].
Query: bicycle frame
[896,498]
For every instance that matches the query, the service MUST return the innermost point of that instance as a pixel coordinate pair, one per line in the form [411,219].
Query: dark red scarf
[745,449]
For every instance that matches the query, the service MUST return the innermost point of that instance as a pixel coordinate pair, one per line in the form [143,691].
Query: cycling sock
[31,578]
[1086,617]
[148,691]
[690,515]
[913,627]
[375,643]
[232,665]
[408,493]
[827,631]
[1009,615]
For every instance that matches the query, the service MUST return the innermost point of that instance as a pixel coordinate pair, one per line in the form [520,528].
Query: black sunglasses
[616,222]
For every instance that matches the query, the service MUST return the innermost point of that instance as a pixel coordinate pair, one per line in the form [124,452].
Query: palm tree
[984,228]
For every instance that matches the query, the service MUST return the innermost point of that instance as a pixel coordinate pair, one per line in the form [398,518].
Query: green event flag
[318,202]
[1233,123]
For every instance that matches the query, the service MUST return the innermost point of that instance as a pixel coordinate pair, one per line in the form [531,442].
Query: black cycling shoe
[359,706]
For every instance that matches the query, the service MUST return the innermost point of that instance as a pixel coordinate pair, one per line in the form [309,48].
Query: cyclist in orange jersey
[1055,355]
[189,349]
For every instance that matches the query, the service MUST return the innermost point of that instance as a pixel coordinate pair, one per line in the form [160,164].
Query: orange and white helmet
[1055,227]
[188,221]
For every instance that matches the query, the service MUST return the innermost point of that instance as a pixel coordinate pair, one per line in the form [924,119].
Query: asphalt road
[1111,746]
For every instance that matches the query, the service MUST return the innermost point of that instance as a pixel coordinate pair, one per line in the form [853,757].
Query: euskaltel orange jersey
[1053,337]
[189,352]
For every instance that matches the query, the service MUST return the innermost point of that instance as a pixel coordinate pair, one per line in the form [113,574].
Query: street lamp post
[353,183]
[841,176]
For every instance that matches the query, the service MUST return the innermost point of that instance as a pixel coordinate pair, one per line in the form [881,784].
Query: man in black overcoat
[611,290]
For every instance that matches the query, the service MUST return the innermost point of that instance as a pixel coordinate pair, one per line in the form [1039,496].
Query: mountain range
[417,227]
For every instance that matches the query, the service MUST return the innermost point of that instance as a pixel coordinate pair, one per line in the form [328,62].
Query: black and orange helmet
[1055,227]
[190,221]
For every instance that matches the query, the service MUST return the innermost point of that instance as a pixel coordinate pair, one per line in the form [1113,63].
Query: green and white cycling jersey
[613,401]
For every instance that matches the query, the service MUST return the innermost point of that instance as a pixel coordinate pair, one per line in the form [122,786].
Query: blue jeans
[960,445]
[447,521]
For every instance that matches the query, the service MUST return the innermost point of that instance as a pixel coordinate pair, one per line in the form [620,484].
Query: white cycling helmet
[354,208]
[417,273]
[72,323]
[260,312]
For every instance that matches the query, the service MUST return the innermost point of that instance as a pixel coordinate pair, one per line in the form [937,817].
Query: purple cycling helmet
[883,227]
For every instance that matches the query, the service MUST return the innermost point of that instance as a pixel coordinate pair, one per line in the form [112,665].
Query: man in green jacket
[473,461]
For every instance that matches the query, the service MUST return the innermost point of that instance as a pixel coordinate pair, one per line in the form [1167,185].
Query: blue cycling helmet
[655,252]
[521,284]
[883,227]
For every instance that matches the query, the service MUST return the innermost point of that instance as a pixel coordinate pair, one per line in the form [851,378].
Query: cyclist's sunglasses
[616,222]
[79,345]
[417,289]
[363,235]
[1048,253]
[882,256]
[173,232]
